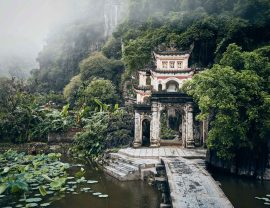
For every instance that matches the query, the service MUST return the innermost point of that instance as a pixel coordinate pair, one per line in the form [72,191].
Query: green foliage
[102,90]
[27,117]
[97,65]
[113,48]
[71,90]
[26,179]
[20,173]
[208,25]
[91,141]
[166,132]
[237,102]
[105,129]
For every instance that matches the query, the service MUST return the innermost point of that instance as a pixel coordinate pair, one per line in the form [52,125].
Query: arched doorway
[172,86]
[171,125]
[160,87]
[146,133]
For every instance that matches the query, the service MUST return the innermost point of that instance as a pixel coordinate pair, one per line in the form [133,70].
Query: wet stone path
[191,186]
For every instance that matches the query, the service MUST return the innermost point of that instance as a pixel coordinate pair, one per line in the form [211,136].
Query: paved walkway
[193,187]
[157,153]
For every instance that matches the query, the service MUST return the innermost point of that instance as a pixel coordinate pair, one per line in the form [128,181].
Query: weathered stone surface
[157,153]
[192,187]
[126,169]
[67,137]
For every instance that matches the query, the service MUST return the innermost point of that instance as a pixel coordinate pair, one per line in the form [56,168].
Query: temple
[164,115]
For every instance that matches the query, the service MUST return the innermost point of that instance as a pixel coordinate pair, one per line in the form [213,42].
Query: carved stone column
[184,129]
[190,142]
[155,126]
[138,131]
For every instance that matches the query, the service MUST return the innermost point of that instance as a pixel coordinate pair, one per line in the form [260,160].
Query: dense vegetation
[230,37]
[235,96]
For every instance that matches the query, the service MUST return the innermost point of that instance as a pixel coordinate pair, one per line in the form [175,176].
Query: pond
[241,191]
[133,194]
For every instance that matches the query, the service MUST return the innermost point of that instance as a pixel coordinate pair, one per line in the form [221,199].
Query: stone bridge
[191,186]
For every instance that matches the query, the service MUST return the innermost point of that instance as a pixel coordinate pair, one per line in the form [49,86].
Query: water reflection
[134,194]
[242,191]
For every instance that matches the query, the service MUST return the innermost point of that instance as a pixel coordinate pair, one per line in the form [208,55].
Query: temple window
[179,64]
[164,64]
[172,64]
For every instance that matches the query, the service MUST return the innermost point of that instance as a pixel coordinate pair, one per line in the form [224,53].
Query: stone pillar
[190,142]
[184,129]
[205,131]
[155,126]
[138,131]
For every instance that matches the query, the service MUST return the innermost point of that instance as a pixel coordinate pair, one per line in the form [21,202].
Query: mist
[25,25]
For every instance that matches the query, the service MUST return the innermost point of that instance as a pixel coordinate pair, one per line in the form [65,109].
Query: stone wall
[66,137]
[242,166]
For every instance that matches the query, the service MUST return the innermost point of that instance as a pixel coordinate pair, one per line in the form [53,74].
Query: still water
[242,191]
[134,194]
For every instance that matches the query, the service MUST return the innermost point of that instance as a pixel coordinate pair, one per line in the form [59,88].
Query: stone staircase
[125,168]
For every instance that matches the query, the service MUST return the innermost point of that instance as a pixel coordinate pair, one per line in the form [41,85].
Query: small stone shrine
[163,113]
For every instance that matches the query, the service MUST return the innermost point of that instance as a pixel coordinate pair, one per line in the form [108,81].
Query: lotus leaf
[3,188]
[30,200]
[45,204]
[42,190]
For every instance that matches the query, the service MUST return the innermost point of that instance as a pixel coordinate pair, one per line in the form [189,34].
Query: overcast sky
[24,24]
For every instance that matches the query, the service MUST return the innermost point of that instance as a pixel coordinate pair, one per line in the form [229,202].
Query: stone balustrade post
[190,143]
[155,126]
[138,131]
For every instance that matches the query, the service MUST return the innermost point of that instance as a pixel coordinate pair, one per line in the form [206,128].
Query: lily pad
[70,178]
[103,196]
[71,182]
[85,189]
[45,204]
[91,182]
[31,205]
[97,193]
[30,200]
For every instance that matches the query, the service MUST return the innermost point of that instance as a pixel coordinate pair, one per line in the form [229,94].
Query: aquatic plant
[32,180]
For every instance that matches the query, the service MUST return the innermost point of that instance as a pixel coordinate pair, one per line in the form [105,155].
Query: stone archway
[160,87]
[172,86]
[171,124]
[146,133]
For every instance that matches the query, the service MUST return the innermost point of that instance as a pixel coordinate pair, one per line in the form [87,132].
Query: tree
[100,89]
[97,65]
[71,89]
[238,103]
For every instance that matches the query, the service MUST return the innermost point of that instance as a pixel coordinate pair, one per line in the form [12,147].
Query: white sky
[24,24]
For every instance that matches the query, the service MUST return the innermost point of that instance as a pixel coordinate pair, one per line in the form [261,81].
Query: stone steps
[125,168]
[122,168]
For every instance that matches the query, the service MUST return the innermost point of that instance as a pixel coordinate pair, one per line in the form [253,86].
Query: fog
[25,24]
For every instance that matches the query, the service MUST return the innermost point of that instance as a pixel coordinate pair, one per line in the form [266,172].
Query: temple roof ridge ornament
[172,49]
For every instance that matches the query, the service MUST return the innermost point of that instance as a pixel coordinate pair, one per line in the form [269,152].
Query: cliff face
[114,13]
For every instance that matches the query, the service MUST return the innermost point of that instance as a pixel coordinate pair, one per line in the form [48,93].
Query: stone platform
[192,186]
[157,153]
